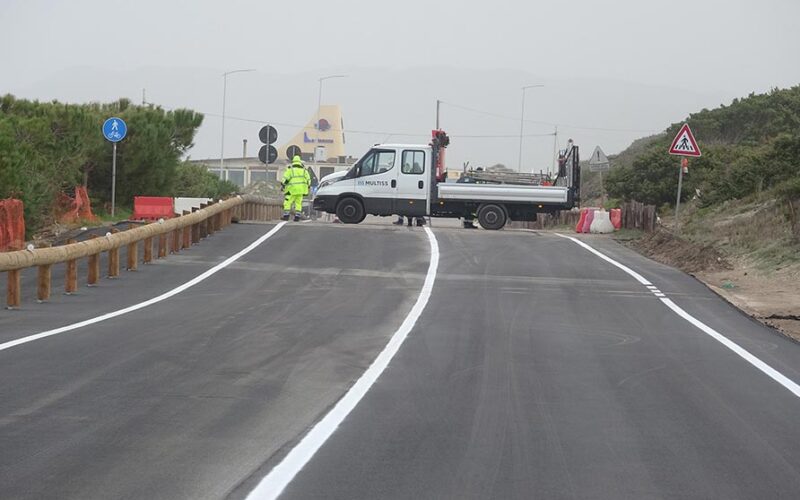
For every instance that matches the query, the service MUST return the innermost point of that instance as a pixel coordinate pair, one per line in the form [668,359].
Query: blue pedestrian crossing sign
[114,129]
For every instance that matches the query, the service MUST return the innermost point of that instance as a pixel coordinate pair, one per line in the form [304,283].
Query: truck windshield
[377,162]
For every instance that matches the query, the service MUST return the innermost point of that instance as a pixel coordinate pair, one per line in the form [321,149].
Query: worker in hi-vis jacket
[296,183]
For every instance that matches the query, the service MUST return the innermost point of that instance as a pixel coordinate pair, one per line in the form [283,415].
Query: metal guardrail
[172,236]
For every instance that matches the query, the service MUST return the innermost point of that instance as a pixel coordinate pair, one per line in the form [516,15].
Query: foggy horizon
[612,73]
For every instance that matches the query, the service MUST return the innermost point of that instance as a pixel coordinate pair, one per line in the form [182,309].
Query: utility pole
[438,103]
[522,123]
[222,139]
[555,147]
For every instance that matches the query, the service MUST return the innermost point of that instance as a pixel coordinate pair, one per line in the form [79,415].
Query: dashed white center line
[777,376]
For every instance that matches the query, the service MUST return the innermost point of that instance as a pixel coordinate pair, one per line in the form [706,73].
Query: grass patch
[628,234]
[120,214]
[755,229]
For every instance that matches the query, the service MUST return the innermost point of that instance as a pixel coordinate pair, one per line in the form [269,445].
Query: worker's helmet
[297,161]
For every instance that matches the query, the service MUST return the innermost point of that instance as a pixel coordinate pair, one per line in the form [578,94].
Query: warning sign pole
[678,201]
[683,145]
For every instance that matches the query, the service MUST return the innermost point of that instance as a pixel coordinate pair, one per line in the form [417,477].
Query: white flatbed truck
[408,180]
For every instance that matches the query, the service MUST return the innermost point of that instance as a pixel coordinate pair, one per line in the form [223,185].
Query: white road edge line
[141,305]
[273,484]
[733,346]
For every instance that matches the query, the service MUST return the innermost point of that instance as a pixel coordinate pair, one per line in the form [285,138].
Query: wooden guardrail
[171,235]
[637,215]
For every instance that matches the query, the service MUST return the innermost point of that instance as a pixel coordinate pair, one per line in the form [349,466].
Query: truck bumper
[325,204]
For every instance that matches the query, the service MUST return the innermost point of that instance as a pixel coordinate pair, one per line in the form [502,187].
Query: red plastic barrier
[587,224]
[152,208]
[581,221]
[12,225]
[616,217]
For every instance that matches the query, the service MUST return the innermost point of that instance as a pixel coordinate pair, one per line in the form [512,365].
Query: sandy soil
[771,297]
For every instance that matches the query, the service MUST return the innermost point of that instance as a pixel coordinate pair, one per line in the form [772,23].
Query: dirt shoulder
[771,296]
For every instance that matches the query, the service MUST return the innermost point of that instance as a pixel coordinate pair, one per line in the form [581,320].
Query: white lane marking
[652,287]
[140,305]
[773,373]
[611,261]
[733,346]
[279,477]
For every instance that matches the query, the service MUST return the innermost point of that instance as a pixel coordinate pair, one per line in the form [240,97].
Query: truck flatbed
[508,193]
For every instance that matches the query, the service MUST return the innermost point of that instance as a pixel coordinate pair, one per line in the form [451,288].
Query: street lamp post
[522,123]
[222,140]
[316,135]
[319,109]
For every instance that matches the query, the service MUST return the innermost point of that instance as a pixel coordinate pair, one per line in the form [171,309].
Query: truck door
[376,180]
[412,183]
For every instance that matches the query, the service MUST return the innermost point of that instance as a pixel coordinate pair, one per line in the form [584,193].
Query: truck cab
[388,179]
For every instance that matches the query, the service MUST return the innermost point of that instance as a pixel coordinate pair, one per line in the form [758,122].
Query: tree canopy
[750,146]
[47,148]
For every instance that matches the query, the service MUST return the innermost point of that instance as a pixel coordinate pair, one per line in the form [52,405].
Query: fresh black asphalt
[537,370]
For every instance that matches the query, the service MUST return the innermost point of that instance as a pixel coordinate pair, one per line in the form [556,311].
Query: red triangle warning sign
[684,143]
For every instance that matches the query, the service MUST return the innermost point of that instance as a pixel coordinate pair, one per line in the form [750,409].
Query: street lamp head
[531,86]
[237,71]
[332,76]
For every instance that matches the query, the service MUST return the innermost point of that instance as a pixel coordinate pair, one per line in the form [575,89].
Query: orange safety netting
[12,225]
[79,208]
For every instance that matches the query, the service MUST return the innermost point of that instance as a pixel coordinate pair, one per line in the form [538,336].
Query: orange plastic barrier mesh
[587,224]
[12,225]
[581,221]
[79,208]
[616,218]
[152,208]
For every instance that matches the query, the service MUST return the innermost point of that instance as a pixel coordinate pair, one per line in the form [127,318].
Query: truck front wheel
[350,211]
[492,216]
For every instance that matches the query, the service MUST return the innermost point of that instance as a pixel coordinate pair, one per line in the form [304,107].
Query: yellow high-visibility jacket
[296,180]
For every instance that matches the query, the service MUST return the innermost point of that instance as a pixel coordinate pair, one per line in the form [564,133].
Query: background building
[321,144]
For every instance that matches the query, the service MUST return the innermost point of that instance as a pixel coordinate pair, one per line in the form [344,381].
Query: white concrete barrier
[601,224]
[187,204]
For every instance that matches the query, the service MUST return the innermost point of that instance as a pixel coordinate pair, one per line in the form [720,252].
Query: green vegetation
[743,195]
[48,148]
[196,182]
[749,147]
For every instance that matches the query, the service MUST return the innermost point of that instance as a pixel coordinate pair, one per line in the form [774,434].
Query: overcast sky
[715,48]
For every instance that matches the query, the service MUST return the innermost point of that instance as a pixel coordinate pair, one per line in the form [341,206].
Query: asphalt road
[536,370]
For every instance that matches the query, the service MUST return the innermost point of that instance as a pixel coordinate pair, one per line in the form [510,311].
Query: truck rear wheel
[492,216]
[350,211]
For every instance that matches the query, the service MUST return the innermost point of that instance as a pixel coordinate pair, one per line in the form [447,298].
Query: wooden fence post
[177,236]
[13,289]
[94,267]
[195,230]
[133,256]
[148,250]
[202,224]
[43,283]
[162,245]
[71,284]
[187,233]
[113,263]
